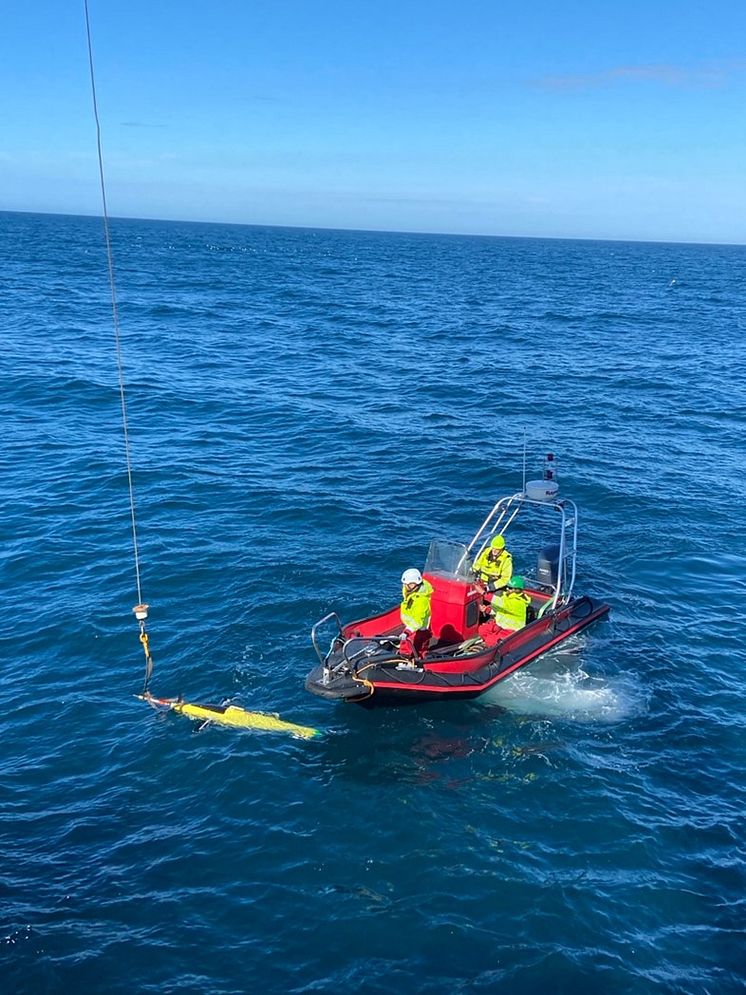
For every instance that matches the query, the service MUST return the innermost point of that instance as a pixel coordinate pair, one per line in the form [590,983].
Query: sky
[554,118]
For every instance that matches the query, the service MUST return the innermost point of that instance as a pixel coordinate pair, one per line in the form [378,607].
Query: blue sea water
[307,410]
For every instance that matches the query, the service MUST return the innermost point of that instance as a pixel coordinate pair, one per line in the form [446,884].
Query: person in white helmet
[417,594]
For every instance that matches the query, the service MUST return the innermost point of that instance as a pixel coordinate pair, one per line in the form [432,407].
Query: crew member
[494,568]
[494,565]
[509,606]
[417,594]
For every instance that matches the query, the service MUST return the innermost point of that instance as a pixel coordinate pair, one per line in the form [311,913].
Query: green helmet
[518,582]
[497,543]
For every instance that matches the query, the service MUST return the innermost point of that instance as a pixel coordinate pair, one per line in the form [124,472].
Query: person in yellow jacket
[417,594]
[509,607]
[494,565]
[494,568]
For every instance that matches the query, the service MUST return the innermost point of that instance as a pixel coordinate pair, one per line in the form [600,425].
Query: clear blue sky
[540,117]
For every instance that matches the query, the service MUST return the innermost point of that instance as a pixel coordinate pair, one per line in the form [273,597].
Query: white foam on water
[557,687]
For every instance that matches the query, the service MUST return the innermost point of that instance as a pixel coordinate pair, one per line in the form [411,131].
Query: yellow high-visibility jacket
[510,609]
[497,571]
[415,606]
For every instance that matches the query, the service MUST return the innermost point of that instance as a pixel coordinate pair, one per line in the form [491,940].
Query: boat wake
[557,687]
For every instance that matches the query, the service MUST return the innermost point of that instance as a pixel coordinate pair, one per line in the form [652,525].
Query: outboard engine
[547,565]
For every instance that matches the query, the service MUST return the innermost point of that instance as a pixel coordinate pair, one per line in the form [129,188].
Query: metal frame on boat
[467,654]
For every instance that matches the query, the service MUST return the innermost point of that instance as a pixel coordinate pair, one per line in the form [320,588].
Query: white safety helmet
[411,576]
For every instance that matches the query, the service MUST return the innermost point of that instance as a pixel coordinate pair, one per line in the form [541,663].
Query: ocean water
[307,410]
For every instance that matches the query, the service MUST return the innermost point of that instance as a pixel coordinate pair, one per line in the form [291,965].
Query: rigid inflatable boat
[467,653]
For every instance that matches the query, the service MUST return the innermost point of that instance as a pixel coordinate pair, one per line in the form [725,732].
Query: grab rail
[504,513]
[315,629]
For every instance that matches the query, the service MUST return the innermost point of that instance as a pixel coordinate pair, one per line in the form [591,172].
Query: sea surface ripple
[307,409]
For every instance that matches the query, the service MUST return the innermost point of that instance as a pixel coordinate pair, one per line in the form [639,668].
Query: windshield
[449,559]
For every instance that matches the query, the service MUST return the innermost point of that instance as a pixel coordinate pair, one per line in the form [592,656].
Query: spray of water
[558,687]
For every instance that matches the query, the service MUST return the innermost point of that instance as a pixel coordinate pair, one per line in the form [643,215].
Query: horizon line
[380,231]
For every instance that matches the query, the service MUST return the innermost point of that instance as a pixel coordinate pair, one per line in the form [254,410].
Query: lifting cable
[140,609]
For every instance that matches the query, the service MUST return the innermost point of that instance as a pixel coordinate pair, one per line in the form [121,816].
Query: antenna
[524,462]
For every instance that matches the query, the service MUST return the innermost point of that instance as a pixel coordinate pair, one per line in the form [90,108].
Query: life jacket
[415,606]
[497,571]
[510,609]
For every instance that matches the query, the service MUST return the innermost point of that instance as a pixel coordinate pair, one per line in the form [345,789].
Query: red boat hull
[443,676]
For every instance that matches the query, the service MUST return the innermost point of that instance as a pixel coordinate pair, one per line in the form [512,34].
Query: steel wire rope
[141,608]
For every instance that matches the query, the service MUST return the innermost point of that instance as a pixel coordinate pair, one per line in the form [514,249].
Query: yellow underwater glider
[230,715]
